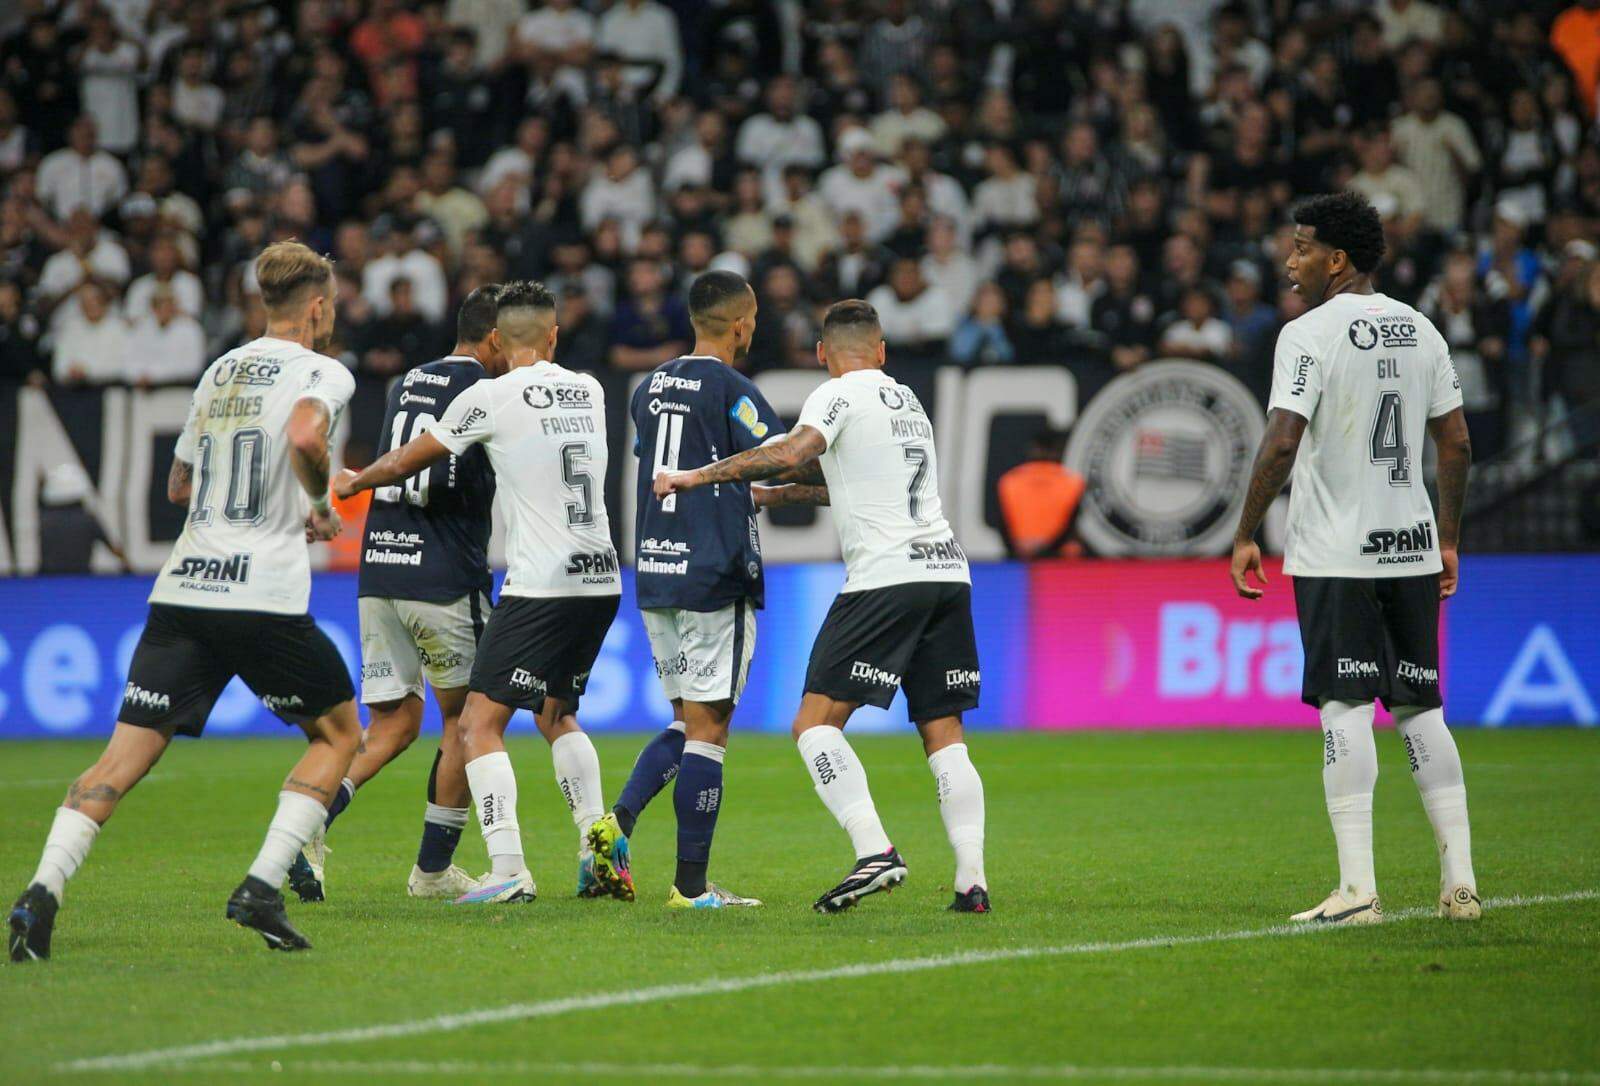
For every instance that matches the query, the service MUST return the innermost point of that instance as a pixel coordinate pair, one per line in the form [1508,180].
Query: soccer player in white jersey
[904,617]
[1356,381]
[545,431]
[251,466]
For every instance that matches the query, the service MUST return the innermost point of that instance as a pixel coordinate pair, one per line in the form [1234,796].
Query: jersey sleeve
[185,449]
[330,384]
[826,411]
[1296,374]
[1445,395]
[752,421]
[468,420]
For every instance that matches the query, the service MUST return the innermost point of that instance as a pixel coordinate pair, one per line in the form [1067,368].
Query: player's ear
[822,355]
[550,347]
[883,353]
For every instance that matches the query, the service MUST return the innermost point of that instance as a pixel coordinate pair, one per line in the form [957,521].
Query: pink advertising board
[1161,645]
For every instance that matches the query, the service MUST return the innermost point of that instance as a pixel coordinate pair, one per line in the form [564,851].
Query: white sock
[961,807]
[494,789]
[842,784]
[1349,772]
[65,849]
[454,817]
[1436,767]
[298,817]
[578,776]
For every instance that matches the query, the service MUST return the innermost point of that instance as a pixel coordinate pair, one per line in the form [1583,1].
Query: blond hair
[286,269]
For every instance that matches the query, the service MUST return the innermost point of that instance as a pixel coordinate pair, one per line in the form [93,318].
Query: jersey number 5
[1389,439]
[574,454]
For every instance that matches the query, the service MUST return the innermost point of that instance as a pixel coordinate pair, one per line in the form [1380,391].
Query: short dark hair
[524,294]
[1346,220]
[850,317]
[711,291]
[476,317]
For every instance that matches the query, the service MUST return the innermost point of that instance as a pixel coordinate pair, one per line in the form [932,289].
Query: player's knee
[340,728]
[940,733]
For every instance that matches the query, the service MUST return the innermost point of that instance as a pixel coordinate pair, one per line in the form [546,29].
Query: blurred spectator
[981,339]
[814,230]
[905,119]
[1039,499]
[782,136]
[917,318]
[644,34]
[1197,332]
[166,273]
[1438,147]
[196,102]
[110,67]
[1081,283]
[623,193]
[1475,329]
[895,44]
[91,255]
[1524,158]
[19,339]
[165,346]
[42,75]
[65,520]
[402,254]
[81,174]
[1038,337]
[261,168]
[584,338]
[403,336]
[1567,339]
[949,267]
[1006,197]
[457,210]
[559,35]
[650,326]
[1254,328]
[857,266]
[786,329]
[91,343]
[1393,189]
[860,184]
[1123,315]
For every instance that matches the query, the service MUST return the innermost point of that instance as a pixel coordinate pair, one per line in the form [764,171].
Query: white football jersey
[243,547]
[1368,372]
[883,482]
[545,430]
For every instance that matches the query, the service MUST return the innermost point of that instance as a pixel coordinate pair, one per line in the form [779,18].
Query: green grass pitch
[1114,850]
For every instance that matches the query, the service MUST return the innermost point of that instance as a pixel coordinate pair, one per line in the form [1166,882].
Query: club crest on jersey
[1363,334]
[538,397]
[745,414]
[246,371]
[891,397]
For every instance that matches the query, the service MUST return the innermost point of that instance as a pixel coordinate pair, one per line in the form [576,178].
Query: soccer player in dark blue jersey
[425,596]
[698,577]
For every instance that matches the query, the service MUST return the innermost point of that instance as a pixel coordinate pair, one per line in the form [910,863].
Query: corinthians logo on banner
[1166,452]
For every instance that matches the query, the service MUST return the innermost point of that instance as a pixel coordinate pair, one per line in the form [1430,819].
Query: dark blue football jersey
[428,537]
[700,550]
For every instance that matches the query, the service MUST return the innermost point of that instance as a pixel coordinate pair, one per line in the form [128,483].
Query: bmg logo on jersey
[235,569]
[1400,546]
[469,420]
[1302,371]
[831,416]
[871,673]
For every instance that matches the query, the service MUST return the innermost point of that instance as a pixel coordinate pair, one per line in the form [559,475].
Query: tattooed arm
[802,446]
[392,466]
[806,473]
[180,481]
[768,497]
[1274,460]
[1455,460]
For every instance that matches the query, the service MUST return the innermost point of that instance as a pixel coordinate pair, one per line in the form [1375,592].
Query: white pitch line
[519,1012]
[837,1072]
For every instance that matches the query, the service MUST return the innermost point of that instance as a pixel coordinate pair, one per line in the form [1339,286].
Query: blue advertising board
[1522,646]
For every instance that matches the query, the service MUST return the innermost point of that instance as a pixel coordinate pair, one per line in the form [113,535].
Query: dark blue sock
[696,797]
[438,846]
[657,765]
[341,800]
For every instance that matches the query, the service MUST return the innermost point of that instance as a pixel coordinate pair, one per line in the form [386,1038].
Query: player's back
[544,427]
[883,482]
[698,550]
[1368,372]
[243,544]
[428,538]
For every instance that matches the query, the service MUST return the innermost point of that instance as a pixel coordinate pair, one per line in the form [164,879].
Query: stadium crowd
[1090,183]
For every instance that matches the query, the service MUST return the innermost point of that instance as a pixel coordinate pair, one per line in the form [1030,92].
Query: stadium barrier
[1117,644]
[1165,451]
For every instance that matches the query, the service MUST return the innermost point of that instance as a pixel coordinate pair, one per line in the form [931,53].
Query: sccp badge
[1166,451]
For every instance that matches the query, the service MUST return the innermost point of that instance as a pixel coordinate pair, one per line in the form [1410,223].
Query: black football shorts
[1368,638]
[537,648]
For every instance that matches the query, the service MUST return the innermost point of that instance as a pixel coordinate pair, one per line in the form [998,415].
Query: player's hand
[1450,576]
[766,497]
[323,527]
[670,482]
[1247,559]
[344,484]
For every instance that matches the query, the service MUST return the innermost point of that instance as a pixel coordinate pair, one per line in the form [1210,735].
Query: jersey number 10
[414,490]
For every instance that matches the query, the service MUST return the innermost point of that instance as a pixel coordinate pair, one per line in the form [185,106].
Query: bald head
[525,315]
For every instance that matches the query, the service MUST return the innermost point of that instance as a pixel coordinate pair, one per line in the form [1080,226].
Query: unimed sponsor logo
[135,694]
[860,669]
[656,565]
[392,558]
[1357,669]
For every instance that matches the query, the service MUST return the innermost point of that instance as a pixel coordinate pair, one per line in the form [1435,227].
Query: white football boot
[494,889]
[1460,902]
[1338,909]
[452,882]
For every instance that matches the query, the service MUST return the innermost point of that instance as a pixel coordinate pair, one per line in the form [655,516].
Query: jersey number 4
[1389,438]
[669,441]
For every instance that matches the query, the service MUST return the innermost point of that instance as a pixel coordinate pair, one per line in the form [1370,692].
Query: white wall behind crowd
[1165,449]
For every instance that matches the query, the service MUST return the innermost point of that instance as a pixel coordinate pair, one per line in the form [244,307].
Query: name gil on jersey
[1400,546]
[911,427]
[234,569]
